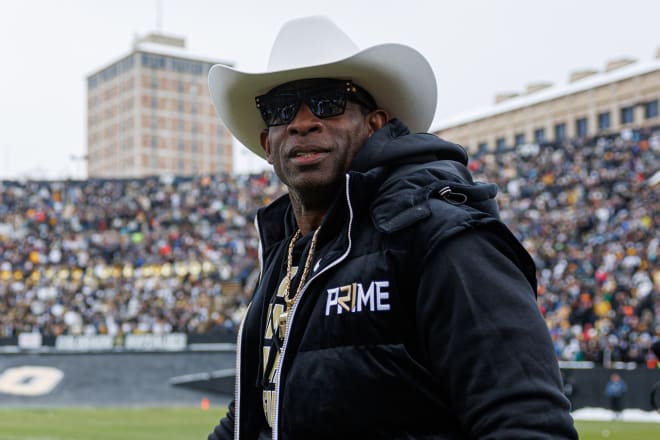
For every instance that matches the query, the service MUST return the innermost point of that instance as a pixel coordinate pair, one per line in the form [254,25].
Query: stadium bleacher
[161,255]
[152,255]
[586,210]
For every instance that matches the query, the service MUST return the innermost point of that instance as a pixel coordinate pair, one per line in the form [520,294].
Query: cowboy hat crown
[398,77]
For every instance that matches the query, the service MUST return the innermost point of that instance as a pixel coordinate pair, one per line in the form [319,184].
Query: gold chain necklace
[284,316]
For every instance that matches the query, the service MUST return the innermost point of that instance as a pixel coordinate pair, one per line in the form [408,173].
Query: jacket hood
[414,169]
[395,144]
[398,174]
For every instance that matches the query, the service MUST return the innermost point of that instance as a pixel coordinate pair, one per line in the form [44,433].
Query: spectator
[615,390]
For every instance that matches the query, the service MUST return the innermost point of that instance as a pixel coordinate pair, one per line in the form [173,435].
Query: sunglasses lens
[327,104]
[325,101]
[279,110]
[287,112]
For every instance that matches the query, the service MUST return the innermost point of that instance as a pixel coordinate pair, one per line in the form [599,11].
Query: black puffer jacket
[419,319]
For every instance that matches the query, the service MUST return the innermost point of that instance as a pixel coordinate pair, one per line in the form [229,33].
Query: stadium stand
[128,256]
[163,255]
[586,209]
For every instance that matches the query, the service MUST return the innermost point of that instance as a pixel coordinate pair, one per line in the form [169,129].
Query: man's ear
[265,144]
[376,120]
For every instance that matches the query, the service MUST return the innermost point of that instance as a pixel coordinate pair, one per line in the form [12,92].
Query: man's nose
[304,122]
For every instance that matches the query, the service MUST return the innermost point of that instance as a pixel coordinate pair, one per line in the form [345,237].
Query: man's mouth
[307,157]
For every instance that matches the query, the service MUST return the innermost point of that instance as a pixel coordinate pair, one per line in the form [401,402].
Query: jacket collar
[394,144]
[388,148]
[276,222]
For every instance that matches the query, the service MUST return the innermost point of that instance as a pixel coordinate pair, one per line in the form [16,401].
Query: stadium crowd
[586,210]
[179,255]
[128,256]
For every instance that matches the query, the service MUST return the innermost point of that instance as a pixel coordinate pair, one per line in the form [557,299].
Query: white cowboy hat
[398,77]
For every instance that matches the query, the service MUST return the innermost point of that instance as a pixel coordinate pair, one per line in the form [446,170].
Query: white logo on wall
[29,380]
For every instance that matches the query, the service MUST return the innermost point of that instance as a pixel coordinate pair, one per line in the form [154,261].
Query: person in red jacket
[392,301]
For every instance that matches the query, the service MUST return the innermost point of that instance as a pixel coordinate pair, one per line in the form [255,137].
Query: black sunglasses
[280,106]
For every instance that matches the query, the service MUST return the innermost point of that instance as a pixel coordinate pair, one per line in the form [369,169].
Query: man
[615,389]
[392,302]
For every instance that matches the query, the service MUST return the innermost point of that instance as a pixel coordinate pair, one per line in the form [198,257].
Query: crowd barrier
[585,387]
[172,342]
[584,382]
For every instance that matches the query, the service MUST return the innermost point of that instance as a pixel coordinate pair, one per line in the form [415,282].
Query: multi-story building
[150,113]
[624,96]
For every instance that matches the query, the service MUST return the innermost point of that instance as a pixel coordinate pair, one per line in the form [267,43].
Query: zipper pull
[454,198]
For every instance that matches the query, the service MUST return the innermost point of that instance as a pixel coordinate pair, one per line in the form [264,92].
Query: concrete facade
[625,95]
[150,113]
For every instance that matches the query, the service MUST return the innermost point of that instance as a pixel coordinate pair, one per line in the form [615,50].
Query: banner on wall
[84,343]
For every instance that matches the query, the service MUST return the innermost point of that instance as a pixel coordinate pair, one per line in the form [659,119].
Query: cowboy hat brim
[398,77]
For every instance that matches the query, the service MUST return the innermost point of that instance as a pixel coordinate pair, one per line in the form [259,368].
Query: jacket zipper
[341,258]
[237,385]
[260,250]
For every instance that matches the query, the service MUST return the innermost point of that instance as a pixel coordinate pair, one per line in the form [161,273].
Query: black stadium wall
[113,379]
[586,387]
[184,378]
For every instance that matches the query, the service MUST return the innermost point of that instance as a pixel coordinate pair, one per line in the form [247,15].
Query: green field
[108,423]
[194,424]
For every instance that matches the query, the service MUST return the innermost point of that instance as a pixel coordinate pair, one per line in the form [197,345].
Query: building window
[183,66]
[154,102]
[604,121]
[111,72]
[539,135]
[581,127]
[520,139]
[180,86]
[194,147]
[651,109]
[154,82]
[500,144]
[180,145]
[154,141]
[560,132]
[179,105]
[627,115]
[153,61]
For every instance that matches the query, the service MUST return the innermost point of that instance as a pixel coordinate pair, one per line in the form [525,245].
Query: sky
[477,48]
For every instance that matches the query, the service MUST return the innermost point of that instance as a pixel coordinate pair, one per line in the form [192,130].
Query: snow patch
[628,415]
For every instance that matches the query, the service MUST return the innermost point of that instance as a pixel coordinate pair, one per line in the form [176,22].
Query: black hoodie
[419,319]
